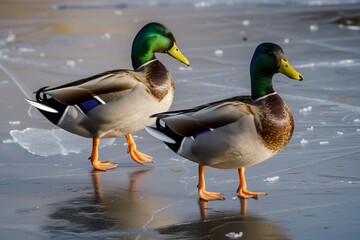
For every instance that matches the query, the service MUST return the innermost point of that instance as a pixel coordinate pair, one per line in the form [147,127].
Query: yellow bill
[175,52]
[289,71]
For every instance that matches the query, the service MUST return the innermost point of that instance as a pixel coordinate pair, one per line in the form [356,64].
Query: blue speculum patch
[88,105]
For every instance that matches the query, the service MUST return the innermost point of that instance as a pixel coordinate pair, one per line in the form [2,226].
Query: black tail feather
[42,97]
[170,133]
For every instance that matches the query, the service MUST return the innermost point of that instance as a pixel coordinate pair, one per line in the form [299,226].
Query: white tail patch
[41,106]
[159,135]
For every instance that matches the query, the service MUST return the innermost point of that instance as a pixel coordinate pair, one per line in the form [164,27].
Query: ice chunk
[353,27]
[306,110]
[233,235]
[272,179]
[8,141]
[202,4]
[118,12]
[11,37]
[340,133]
[304,141]
[14,122]
[246,22]
[185,68]
[314,28]
[286,40]
[356,120]
[219,52]
[71,63]
[23,49]
[324,142]
[48,142]
[106,36]
[310,128]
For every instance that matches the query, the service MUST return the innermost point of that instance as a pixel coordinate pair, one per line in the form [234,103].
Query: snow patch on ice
[324,142]
[71,63]
[11,37]
[49,142]
[272,179]
[118,12]
[304,141]
[344,62]
[233,235]
[106,36]
[246,22]
[306,110]
[185,68]
[314,28]
[28,50]
[14,122]
[219,52]
[203,4]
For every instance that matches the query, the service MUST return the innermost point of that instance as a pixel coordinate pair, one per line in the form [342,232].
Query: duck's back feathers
[192,121]
[107,86]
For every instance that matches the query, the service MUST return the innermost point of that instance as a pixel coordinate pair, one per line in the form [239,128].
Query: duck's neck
[141,52]
[261,85]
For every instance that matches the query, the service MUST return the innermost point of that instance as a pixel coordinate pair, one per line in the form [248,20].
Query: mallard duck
[118,102]
[237,132]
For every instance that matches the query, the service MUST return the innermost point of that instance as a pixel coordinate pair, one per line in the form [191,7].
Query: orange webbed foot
[208,196]
[242,189]
[244,193]
[137,156]
[96,163]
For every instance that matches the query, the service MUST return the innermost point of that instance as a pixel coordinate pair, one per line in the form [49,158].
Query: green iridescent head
[269,59]
[152,38]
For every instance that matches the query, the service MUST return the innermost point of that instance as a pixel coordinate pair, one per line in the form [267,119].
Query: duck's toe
[244,193]
[103,165]
[207,196]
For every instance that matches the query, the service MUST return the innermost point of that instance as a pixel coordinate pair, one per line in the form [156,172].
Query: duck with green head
[118,102]
[237,132]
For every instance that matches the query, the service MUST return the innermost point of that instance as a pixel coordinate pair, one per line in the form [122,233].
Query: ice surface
[318,195]
[48,142]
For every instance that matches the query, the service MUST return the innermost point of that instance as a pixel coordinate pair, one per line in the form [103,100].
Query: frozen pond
[48,189]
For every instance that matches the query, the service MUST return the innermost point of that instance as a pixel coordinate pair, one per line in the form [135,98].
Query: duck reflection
[122,212]
[220,224]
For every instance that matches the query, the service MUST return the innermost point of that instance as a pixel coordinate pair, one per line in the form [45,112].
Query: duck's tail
[49,107]
[165,134]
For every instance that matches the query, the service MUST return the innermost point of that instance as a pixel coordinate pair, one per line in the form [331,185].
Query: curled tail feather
[49,107]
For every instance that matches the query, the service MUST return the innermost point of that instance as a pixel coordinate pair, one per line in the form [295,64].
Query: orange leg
[137,156]
[203,194]
[94,158]
[242,189]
